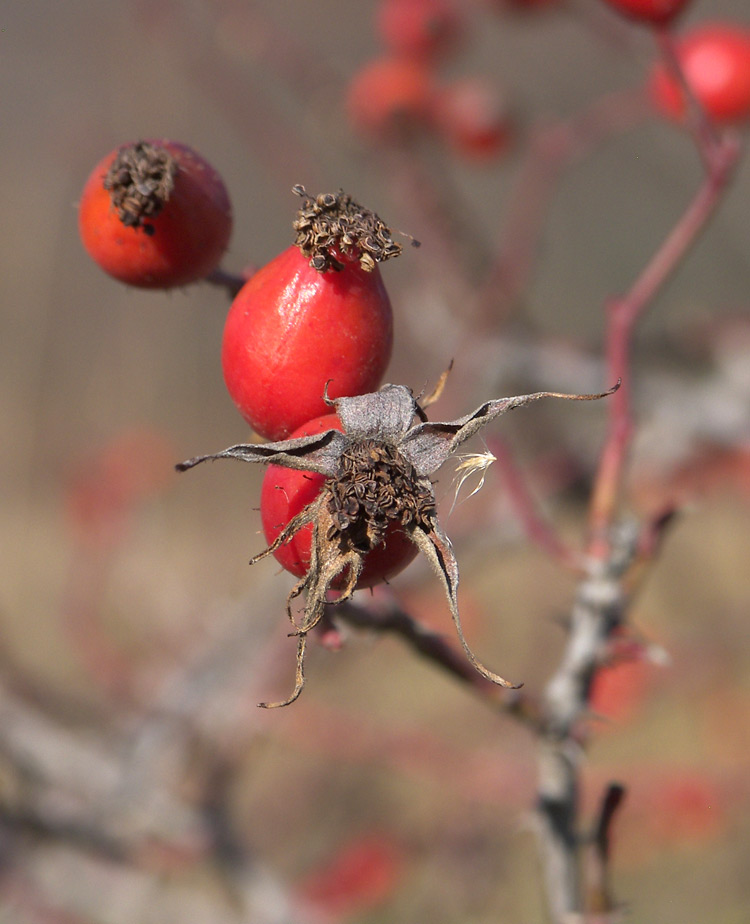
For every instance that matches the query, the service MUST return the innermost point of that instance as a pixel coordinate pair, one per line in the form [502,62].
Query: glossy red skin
[291,330]
[285,492]
[652,11]
[472,119]
[191,232]
[389,95]
[715,58]
[420,28]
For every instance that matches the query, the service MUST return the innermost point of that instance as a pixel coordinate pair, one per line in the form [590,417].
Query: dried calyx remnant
[377,471]
[140,180]
[333,223]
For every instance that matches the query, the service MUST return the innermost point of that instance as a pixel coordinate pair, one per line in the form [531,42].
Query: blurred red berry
[155,214]
[715,59]
[472,118]
[618,689]
[359,877]
[653,11]
[287,491]
[685,807]
[109,482]
[389,97]
[620,685]
[291,330]
[420,28]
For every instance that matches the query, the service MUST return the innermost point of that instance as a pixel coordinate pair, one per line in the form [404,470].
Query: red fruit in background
[292,329]
[473,119]
[654,11]
[419,28]
[287,491]
[389,97]
[359,877]
[684,807]
[621,684]
[155,214]
[618,689]
[109,482]
[715,59]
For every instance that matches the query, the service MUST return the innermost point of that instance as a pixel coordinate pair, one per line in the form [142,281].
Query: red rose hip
[420,28]
[317,316]
[715,59]
[155,214]
[473,119]
[388,98]
[287,491]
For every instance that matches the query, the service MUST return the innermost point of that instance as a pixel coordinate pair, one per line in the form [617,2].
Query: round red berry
[287,491]
[419,28]
[473,119]
[155,214]
[389,97]
[653,11]
[715,59]
[292,330]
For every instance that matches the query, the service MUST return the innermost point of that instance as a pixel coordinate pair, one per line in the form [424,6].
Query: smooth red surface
[715,58]
[291,330]
[421,28]
[286,491]
[472,118]
[653,11]
[389,95]
[191,232]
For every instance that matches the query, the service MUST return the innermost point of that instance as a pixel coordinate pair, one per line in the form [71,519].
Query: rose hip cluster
[713,57]
[398,96]
[348,499]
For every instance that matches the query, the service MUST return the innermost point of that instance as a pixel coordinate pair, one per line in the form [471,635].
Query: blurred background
[138,781]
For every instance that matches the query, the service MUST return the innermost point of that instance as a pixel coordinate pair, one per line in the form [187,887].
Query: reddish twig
[623,315]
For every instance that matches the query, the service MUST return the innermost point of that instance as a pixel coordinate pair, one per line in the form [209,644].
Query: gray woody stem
[598,609]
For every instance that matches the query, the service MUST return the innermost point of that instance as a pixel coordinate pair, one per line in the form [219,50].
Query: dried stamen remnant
[373,487]
[334,223]
[140,181]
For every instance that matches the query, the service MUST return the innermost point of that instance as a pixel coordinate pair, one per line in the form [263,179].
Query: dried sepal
[327,562]
[299,677]
[377,474]
[317,453]
[307,515]
[429,445]
[437,391]
[437,549]
[384,415]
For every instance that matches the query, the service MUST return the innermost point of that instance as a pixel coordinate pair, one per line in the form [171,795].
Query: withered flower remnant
[378,471]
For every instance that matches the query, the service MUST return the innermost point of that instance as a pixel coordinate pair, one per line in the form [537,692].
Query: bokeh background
[131,629]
